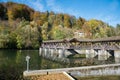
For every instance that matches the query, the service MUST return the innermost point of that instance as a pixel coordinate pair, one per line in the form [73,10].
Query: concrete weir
[110,69]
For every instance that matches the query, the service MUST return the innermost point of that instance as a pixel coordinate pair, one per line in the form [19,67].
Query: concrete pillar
[67,53]
[90,53]
[48,52]
[61,53]
[87,53]
[103,55]
[55,52]
[117,56]
[45,51]
[40,51]
[52,52]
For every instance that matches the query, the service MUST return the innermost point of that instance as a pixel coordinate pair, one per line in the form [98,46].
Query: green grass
[113,77]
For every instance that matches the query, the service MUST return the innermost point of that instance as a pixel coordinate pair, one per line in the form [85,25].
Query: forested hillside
[22,27]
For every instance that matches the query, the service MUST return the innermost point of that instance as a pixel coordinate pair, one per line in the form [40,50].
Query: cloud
[59,9]
[108,18]
[37,4]
[53,6]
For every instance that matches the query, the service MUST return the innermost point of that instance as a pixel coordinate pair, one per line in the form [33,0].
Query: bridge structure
[101,47]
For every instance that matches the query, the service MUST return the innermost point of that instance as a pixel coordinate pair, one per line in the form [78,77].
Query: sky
[105,10]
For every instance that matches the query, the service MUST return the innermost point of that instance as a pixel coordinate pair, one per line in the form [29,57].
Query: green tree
[45,29]
[117,30]
[4,40]
[58,32]
[95,28]
[28,35]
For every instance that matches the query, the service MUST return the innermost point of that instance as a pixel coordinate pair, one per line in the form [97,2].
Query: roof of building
[114,38]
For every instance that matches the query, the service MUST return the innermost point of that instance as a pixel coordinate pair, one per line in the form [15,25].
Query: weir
[111,69]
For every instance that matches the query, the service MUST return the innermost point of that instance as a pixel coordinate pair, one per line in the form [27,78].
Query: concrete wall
[111,69]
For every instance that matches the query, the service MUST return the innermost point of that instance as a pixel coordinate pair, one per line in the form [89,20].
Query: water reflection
[13,63]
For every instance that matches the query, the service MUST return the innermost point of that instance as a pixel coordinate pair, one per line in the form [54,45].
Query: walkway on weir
[111,69]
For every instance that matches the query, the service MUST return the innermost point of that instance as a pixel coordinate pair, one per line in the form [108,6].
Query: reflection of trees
[8,67]
[34,59]
[20,57]
[7,57]
[48,64]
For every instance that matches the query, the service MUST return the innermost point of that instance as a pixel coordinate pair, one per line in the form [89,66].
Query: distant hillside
[23,27]
[12,11]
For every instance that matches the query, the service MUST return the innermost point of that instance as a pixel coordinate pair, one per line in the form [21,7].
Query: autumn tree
[37,18]
[18,11]
[58,32]
[95,28]
[67,21]
[79,23]
[31,37]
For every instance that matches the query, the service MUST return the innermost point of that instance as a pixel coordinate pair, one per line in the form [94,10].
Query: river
[13,63]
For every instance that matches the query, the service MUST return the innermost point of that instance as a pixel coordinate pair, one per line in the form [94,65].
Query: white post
[27,59]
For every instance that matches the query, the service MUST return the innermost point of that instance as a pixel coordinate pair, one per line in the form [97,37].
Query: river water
[13,63]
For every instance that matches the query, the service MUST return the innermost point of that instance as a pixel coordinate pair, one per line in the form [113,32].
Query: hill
[23,27]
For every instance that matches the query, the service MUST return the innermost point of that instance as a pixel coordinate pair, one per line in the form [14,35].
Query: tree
[31,37]
[95,28]
[117,30]
[18,11]
[3,11]
[67,22]
[45,29]
[79,23]
[4,40]
[58,32]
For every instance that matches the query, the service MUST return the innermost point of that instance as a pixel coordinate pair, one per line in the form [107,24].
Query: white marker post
[27,59]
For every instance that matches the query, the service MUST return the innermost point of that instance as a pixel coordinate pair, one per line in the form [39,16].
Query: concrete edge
[60,70]
[66,74]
